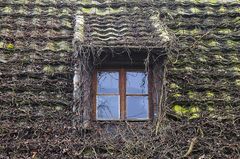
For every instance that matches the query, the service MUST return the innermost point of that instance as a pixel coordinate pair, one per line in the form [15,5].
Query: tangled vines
[37,121]
[48,138]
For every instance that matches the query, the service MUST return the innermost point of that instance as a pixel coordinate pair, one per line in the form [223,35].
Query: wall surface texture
[36,69]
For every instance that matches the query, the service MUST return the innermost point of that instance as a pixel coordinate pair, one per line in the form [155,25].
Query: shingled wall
[35,71]
[207,69]
[36,67]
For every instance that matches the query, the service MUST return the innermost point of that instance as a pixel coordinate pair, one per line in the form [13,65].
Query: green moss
[86,10]
[225,31]
[194,109]
[237,20]
[48,69]
[58,108]
[116,10]
[106,11]
[195,10]
[38,2]
[21,10]
[221,70]
[235,69]
[10,46]
[231,43]
[37,11]
[210,12]
[203,58]
[180,10]
[61,68]
[86,1]
[174,86]
[226,97]
[234,58]
[218,57]
[192,95]
[237,82]
[180,110]
[213,1]
[213,43]
[7,10]
[209,94]
[196,1]
[189,69]
[62,54]
[195,31]
[66,23]
[177,95]
[210,109]
[194,116]
[51,11]
[101,11]
[222,9]
[50,46]
[24,1]
[63,46]
[182,32]
[65,12]
[192,113]
[35,21]
[237,10]
[1,45]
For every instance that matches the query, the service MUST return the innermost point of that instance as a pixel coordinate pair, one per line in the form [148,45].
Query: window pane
[137,107]
[108,82]
[137,83]
[108,107]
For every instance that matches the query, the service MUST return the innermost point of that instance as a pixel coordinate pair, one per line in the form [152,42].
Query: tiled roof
[48,25]
[35,27]
[35,45]
[38,35]
[36,69]
[120,25]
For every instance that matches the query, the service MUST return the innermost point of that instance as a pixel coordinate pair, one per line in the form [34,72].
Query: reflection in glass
[108,82]
[108,107]
[137,107]
[137,83]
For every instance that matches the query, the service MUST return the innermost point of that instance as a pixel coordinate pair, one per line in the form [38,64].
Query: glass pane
[137,107]
[108,82]
[137,83]
[108,107]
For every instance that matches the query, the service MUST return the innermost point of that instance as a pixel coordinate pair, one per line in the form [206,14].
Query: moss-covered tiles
[38,35]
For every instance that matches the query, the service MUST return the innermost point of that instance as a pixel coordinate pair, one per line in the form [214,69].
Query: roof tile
[119,27]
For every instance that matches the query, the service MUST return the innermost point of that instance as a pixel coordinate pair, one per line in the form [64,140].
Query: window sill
[122,121]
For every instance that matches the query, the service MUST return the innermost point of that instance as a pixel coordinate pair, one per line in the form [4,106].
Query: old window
[121,94]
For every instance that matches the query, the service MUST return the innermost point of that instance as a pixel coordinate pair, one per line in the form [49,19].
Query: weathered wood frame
[122,92]
[88,59]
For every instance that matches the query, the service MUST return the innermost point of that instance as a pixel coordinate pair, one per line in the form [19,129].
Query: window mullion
[150,104]
[122,88]
[95,95]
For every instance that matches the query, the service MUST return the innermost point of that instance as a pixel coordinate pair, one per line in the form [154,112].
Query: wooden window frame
[122,93]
